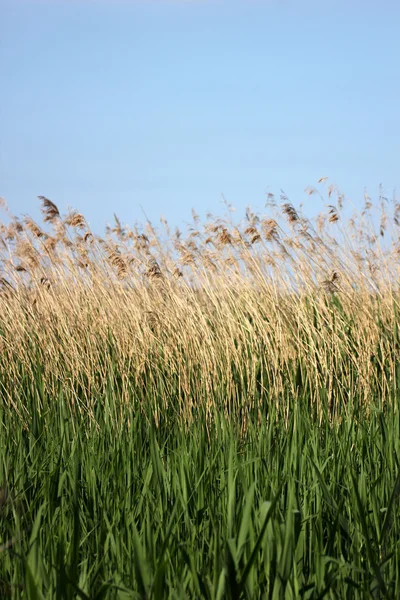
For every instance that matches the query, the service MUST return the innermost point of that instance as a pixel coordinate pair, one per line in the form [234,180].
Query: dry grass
[269,309]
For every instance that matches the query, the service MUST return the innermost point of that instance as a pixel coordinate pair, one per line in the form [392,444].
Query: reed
[202,413]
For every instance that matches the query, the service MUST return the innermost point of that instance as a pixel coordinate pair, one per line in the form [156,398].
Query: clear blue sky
[109,105]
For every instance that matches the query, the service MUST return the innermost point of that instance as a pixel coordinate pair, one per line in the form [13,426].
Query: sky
[149,108]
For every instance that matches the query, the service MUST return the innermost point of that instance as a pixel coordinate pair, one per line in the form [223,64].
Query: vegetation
[208,414]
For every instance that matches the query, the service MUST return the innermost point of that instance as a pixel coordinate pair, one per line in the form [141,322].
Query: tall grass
[210,413]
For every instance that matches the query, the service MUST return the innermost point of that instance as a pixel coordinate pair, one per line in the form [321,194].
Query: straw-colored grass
[221,312]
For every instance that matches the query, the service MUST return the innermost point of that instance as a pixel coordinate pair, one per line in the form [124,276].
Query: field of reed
[210,412]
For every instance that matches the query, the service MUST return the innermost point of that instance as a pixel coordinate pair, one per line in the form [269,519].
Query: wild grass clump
[261,310]
[203,413]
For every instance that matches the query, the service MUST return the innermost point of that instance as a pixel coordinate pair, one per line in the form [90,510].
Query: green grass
[109,505]
[212,415]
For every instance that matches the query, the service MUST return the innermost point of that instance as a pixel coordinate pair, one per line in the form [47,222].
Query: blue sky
[107,106]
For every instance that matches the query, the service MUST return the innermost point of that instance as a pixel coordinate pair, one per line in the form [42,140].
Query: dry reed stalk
[209,303]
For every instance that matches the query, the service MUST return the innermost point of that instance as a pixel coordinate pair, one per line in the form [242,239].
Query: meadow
[210,412]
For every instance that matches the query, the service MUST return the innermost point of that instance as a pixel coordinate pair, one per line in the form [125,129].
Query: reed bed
[210,412]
